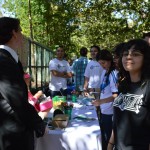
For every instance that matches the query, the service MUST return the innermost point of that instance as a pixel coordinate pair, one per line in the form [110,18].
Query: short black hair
[60,46]
[7,25]
[83,51]
[97,47]
[146,35]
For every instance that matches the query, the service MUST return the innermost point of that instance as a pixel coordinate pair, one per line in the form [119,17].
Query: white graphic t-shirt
[131,102]
[57,83]
[93,71]
[108,86]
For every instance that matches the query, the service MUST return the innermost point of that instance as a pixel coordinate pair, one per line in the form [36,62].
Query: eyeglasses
[133,54]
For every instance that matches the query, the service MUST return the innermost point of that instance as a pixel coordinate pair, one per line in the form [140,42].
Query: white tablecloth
[79,135]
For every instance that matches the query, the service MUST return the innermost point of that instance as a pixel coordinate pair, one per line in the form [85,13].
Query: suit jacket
[18,119]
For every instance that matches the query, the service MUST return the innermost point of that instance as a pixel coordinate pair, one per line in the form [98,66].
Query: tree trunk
[30,20]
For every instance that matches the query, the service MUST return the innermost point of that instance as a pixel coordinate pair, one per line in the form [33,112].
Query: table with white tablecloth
[82,132]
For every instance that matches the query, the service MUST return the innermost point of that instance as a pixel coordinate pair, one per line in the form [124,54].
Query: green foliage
[81,22]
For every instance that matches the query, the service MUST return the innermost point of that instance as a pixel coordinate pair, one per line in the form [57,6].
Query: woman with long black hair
[131,121]
[108,91]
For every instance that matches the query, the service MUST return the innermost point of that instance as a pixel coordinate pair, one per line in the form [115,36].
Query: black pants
[106,129]
[58,93]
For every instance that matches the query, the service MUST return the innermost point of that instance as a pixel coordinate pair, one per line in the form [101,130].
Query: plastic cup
[74,98]
[55,99]
[62,98]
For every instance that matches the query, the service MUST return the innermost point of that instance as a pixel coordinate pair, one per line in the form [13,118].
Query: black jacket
[18,119]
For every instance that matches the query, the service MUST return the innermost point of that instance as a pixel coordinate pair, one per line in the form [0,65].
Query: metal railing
[38,64]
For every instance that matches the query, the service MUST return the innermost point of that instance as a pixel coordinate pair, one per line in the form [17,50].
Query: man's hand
[96,102]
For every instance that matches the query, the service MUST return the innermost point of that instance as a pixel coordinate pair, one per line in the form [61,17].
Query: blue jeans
[106,129]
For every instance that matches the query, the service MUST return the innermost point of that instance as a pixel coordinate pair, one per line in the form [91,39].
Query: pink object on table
[43,105]
[32,99]
[46,104]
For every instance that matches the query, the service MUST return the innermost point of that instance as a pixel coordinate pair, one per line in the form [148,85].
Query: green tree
[81,22]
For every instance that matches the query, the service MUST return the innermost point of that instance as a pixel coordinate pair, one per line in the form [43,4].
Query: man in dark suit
[18,119]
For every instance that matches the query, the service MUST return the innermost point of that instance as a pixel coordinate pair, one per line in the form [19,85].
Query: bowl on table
[60,121]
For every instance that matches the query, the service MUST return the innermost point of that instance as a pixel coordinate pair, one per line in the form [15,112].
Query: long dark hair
[124,77]
[118,49]
[106,55]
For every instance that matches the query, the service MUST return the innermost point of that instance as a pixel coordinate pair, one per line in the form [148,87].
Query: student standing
[60,71]
[108,91]
[78,68]
[93,71]
[131,121]
[18,119]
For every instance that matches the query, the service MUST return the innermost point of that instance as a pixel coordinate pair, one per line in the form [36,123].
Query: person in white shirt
[108,91]
[60,71]
[93,71]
